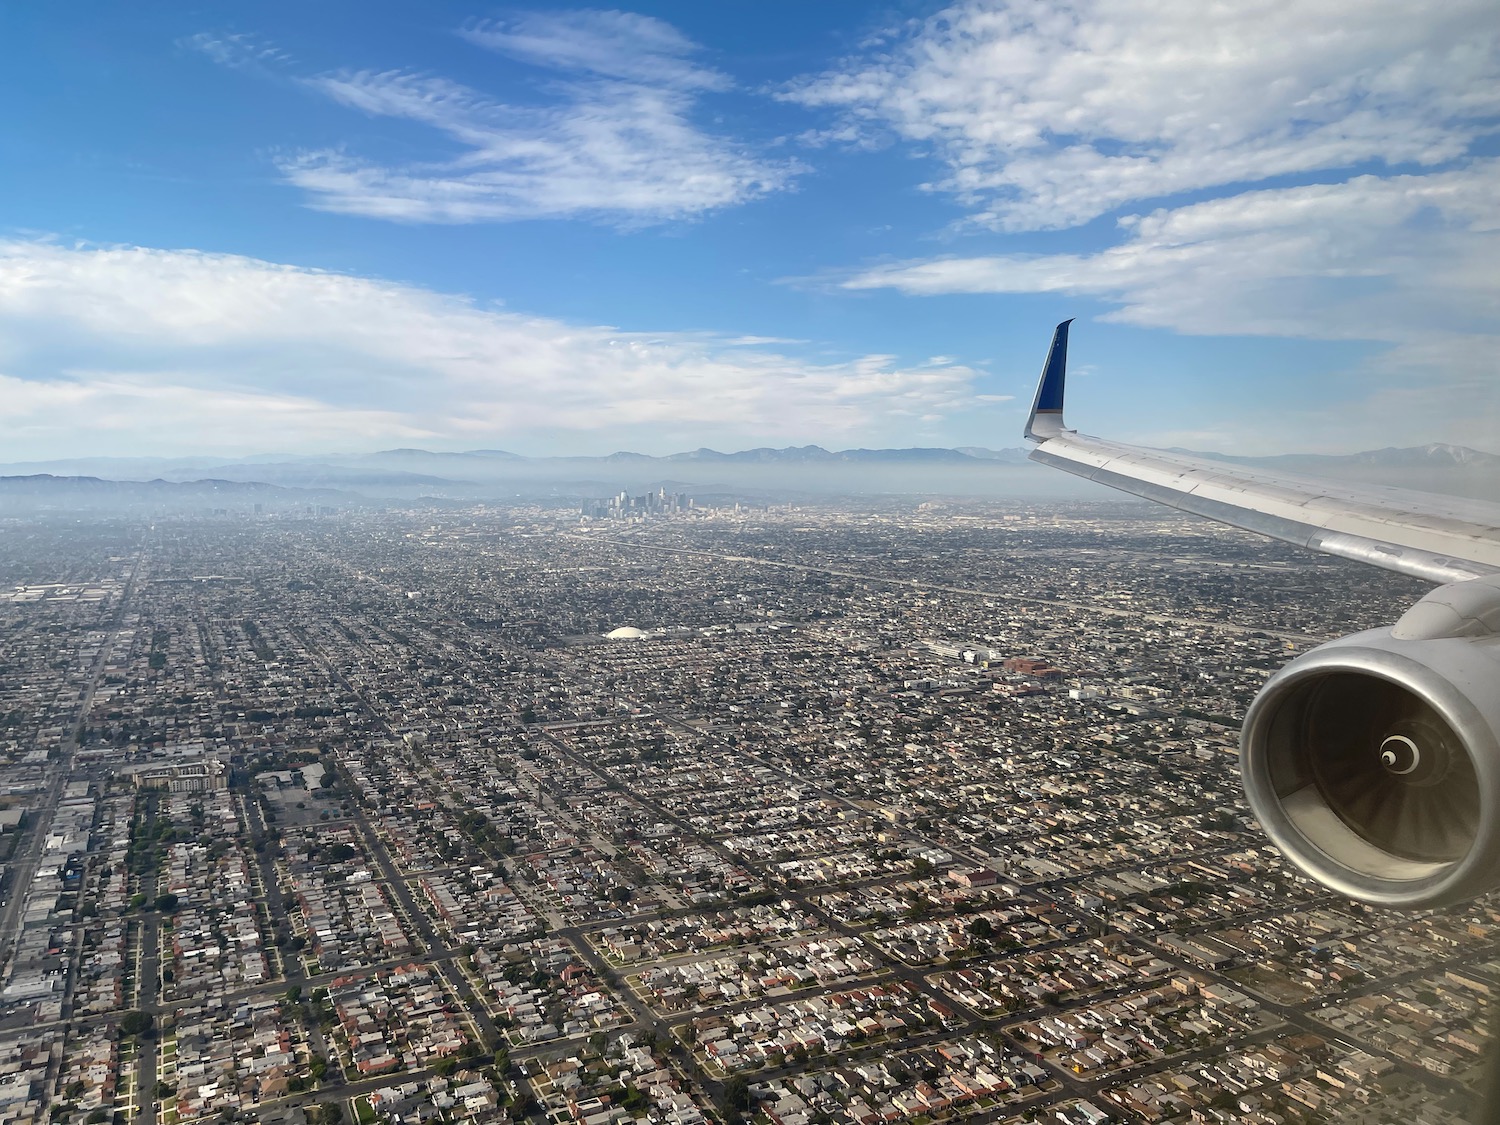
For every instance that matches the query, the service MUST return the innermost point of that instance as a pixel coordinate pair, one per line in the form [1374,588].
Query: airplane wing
[1440,538]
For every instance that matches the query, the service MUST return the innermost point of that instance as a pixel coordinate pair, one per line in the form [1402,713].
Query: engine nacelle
[1373,761]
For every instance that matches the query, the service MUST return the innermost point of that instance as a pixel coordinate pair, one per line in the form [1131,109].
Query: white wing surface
[1440,538]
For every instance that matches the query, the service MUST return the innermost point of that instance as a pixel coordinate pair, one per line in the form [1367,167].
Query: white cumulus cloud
[1045,115]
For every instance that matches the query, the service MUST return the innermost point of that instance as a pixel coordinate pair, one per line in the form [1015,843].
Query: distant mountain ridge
[1433,455]
[792,454]
[760,474]
[397,465]
[44,491]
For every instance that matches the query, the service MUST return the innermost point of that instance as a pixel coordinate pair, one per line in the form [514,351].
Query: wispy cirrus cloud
[601,44]
[613,151]
[1047,115]
[106,349]
[237,50]
[614,136]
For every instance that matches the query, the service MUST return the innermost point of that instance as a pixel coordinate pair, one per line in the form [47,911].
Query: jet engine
[1373,761]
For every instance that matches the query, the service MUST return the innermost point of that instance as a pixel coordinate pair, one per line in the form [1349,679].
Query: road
[22,871]
[914,977]
[435,950]
[149,984]
[1282,1016]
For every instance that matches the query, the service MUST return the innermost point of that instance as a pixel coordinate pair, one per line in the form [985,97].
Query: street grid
[818,849]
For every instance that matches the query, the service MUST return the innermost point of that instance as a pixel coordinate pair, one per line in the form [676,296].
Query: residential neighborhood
[868,816]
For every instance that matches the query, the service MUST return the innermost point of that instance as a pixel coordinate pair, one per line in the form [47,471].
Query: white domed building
[625,633]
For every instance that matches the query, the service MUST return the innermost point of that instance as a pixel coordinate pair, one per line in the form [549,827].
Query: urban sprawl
[678,814]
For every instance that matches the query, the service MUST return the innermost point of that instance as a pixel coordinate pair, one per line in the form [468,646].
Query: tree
[330,1113]
[136,1022]
[982,929]
[167,902]
[737,1092]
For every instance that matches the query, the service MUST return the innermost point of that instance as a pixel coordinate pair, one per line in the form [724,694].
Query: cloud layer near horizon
[120,347]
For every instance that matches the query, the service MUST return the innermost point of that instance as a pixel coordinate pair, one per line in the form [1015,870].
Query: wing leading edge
[1440,538]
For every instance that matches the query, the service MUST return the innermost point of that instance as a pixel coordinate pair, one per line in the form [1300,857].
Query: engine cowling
[1373,761]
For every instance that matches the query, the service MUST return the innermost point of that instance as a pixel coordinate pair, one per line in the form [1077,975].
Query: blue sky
[557,229]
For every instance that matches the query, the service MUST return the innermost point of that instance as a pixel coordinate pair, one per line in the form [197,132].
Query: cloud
[615,151]
[620,45]
[237,50]
[107,349]
[1408,262]
[149,412]
[614,137]
[1047,115]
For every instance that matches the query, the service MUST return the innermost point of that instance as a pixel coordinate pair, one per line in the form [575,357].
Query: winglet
[1046,419]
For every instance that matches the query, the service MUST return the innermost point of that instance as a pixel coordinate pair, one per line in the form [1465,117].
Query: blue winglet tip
[1046,409]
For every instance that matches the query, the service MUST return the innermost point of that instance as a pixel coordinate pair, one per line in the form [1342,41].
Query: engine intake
[1373,763]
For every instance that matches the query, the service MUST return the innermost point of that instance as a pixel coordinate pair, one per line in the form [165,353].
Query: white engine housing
[1373,761]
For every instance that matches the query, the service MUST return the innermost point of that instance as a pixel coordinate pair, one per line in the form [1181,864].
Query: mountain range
[404,475]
